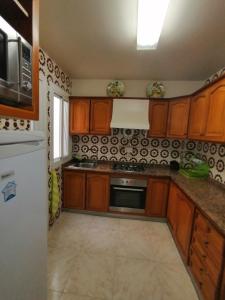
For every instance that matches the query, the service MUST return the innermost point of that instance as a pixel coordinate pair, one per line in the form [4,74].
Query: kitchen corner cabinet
[180,215]
[215,125]
[90,116]
[74,190]
[198,116]
[97,192]
[158,113]
[79,116]
[157,194]
[207,257]
[101,113]
[178,117]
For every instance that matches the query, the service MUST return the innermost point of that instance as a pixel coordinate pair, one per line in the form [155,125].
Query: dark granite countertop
[206,194]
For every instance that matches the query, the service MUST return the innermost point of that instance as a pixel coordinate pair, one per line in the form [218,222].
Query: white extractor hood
[130,113]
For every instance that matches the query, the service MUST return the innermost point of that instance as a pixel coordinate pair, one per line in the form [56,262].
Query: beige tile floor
[100,258]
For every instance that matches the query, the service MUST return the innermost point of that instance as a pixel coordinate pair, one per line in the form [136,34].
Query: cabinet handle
[201,270]
[206,243]
[203,255]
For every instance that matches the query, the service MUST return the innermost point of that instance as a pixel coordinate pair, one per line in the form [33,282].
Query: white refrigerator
[23,216]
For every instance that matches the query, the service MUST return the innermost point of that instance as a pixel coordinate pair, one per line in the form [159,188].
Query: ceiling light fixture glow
[151,15]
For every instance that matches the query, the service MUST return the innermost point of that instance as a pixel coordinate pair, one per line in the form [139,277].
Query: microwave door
[10,79]
[3,55]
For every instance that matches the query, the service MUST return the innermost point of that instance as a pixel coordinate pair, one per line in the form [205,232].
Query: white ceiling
[97,39]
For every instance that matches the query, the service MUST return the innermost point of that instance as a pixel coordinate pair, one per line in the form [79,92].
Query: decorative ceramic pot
[155,90]
[115,88]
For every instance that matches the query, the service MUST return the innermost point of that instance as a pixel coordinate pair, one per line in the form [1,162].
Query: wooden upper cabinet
[158,113]
[157,194]
[97,192]
[185,215]
[74,190]
[178,118]
[198,116]
[79,116]
[215,127]
[101,114]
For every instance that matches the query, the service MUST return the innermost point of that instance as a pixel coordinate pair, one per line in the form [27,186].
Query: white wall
[134,88]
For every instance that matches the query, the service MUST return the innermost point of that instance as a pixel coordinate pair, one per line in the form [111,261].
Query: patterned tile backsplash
[128,146]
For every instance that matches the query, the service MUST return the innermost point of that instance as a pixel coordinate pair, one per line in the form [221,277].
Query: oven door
[127,199]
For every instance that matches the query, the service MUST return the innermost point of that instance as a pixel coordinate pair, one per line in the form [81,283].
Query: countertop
[206,194]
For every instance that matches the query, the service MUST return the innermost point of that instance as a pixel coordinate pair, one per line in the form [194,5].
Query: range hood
[130,113]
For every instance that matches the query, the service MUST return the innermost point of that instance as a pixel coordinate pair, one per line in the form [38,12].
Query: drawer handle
[203,255]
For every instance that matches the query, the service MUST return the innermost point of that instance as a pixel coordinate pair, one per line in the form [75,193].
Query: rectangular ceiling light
[151,15]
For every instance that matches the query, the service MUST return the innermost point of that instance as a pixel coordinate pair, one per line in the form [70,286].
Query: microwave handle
[19,66]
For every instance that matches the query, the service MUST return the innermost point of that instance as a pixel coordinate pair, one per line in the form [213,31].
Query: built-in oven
[128,195]
[15,67]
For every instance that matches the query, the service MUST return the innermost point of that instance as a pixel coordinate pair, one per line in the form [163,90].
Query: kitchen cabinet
[172,207]
[28,27]
[180,215]
[79,116]
[97,192]
[74,189]
[222,291]
[90,116]
[206,257]
[178,116]
[198,116]
[215,125]
[158,113]
[157,194]
[101,113]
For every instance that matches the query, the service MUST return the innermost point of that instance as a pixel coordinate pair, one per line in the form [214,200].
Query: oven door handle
[128,189]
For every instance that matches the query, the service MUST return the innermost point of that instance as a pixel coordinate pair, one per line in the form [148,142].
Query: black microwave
[15,67]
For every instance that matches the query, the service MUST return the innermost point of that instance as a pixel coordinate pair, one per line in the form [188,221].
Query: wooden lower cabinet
[97,192]
[157,194]
[74,190]
[222,291]
[206,257]
[172,207]
[180,215]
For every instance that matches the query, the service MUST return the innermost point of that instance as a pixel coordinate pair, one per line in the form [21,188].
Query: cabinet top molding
[157,99]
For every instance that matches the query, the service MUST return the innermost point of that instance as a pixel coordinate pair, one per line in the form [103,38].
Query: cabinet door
[185,217]
[178,118]
[158,113]
[97,192]
[172,207]
[215,128]
[74,190]
[157,197]
[198,116]
[101,114]
[79,116]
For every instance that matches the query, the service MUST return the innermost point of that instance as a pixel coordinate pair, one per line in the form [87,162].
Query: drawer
[208,288]
[201,225]
[215,244]
[212,269]
[200,240]
[197,268]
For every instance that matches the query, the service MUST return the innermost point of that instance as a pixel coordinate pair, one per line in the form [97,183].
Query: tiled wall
[126,146]
[53,73]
